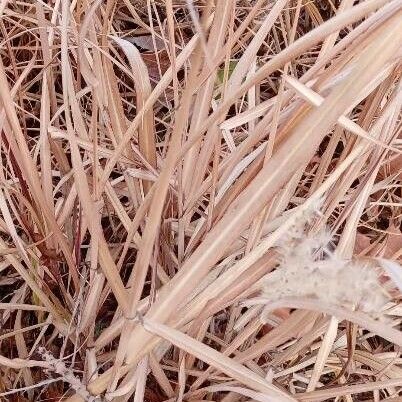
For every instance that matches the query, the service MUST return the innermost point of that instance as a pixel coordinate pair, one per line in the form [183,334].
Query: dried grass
[200,200]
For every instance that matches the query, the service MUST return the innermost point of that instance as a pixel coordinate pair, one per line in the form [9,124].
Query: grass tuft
[200,200]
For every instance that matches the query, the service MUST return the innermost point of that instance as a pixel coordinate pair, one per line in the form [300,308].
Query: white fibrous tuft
[309,269]
[59,367]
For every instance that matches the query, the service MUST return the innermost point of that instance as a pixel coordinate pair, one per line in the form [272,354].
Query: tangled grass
[168,170]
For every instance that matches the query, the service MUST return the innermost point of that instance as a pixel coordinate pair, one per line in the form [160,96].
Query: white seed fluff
[309,269]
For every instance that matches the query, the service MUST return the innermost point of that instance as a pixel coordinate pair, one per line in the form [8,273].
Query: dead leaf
[362,243]
[393,243]
[151,61]
[396,166]
[146,42]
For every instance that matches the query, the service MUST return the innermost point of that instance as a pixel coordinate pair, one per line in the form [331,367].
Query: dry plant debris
[200,200]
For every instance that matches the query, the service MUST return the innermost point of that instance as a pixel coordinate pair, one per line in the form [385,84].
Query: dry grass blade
[293,154]
[387,332]
[225,364]
[146,136]
[200,200]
